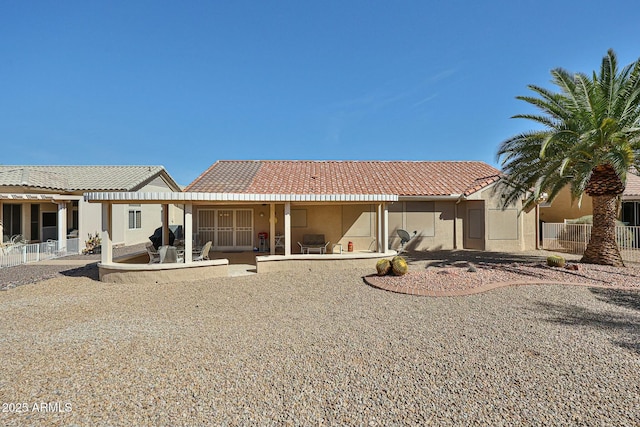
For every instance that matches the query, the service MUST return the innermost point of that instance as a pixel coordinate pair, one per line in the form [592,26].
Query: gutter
[431,198]
[176,197]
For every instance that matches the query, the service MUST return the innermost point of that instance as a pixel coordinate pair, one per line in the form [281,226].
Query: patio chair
[154,255]
[17,238]
[203,253]
[405,237]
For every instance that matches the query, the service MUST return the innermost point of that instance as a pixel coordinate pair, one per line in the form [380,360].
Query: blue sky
[185,83]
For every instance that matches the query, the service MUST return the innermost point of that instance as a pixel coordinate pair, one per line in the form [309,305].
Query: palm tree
[589,140]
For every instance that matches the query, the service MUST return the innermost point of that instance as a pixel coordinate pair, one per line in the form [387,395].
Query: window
[74,215]
[631,213]
[135,219]
[49,219]
[35,222]
[12,218]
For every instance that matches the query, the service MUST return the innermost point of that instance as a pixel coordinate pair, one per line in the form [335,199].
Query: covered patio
[248,224]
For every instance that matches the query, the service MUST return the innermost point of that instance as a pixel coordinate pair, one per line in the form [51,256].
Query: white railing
[573,238]
[22,253]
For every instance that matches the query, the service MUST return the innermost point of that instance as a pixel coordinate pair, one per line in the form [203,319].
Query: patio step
[236,270]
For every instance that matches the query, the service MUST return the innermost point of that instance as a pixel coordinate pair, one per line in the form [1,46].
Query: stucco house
[448,204]
[269,207]
[46,202]
[563,208]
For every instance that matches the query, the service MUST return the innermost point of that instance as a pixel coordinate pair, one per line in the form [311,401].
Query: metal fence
[573,238]
[22,253]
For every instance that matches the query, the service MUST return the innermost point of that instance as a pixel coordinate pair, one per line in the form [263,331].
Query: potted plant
[93,245]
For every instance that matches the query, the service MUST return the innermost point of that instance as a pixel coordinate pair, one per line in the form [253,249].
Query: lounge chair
[154,255]
[313,243]
[203,253]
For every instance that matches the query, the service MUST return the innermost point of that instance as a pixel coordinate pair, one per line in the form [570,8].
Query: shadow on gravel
[90,271]
[619,297]
[437,258]
[626,327]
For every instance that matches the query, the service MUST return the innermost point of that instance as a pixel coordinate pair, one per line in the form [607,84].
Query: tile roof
[632,189]
[403,178]
[80,178]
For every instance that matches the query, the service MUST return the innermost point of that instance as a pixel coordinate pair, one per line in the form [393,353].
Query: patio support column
[107,244]
[188,232]
[385,227]
[165,224]
[81,231]
[1,223]
[379,242]
[62,226]
[287,228]
[272,229]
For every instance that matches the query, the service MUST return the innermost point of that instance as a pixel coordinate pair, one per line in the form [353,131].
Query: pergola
[189,199]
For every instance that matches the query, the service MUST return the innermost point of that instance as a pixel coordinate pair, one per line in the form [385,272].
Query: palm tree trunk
[602,247]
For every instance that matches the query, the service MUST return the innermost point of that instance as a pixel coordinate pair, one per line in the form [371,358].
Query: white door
[228,229]
[206,227]
[244,229]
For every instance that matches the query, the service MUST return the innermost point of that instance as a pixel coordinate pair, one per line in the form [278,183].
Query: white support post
[379,229]
[62,226]
[81,229]
[287,228]
[188,233]
[385,227]
[1,222]
[107,243]
[272,229]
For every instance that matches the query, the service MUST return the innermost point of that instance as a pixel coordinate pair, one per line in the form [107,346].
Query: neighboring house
[46,202]
[563,208]
[449,205]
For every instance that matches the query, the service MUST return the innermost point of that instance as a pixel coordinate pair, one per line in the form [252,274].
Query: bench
[313,243]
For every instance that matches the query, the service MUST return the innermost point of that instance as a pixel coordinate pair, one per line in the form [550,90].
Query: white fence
[22,253]
[573,238]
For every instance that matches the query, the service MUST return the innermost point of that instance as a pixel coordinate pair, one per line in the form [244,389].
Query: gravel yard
[315,348]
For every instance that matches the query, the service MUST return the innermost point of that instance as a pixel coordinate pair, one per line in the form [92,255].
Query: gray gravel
[317,349]
[11,277]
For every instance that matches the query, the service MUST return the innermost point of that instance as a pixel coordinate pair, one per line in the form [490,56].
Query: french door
[227,229]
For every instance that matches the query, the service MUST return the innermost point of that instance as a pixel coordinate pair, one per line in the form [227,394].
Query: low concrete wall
[162,273]
[313,262]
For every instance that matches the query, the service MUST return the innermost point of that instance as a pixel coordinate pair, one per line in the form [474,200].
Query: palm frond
[590,121]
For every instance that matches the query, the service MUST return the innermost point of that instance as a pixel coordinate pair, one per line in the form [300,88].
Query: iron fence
[573,238]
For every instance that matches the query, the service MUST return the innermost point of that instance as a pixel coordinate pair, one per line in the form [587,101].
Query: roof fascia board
[452,197]
[173,197]
[164,175]
[486,187]
[31,197]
